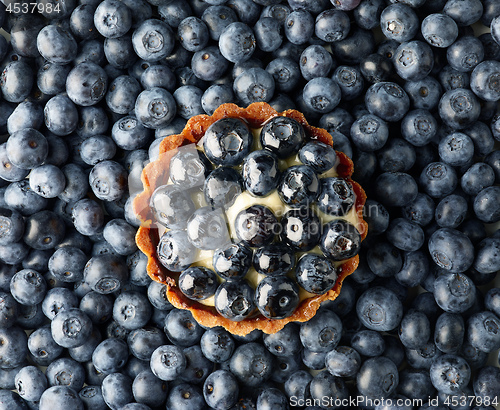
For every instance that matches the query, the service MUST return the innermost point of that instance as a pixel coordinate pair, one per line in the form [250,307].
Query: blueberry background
[88,92]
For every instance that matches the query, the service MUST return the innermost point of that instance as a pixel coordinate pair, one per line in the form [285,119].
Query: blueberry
[254,85]
[268,34]
[482,331]
[12,226]
[237,42]
[209,64]
[321,94]
[27,114]
[58,299]
[256,225]
[299,186]
[112,18]
[28,287]
[438,179]
[198,283]
[387,100]
[158,75]
[181,329]
[87,216]
[91,396]
[486,204]
[260,172]
[450,373]
[188,168]
[188,99]
[277,297]
[234,300]
[148,389]
[415,329]
[379,308]
[329,387]
[321,157]
[424,94]
[30,383]
[184,396]
[42,347]
[252,364]
[193,33]
[299,26]
[405,235]
[117,390]
[175,251]
[105,273]
[367,14]
[168,362]
[222,187]
[232,261]
[483,82]
[350,81]
[454,293]
[332,25]
[449,332]
[464,13]
[60,397]
[206,228]
[451,250]
[368,343]
[15,347]
[71,328]
[216,95]
[27,148]
[301,229]
[340,240]
[343,361]
[486,383]
[376,68]
[221,389]
[227,142]
[399,22]
[217,345]
[122,93]
[413,60]
[155,107]
[378,377]
[65,372]
[217,18]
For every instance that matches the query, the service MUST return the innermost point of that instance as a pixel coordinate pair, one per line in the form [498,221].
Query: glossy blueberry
[451,250]
[260,172]
[188,168]
[399,22]
[321,333]
[251,363]
[172,206]
[175,251]
[277,297]
[299,186]
[206,228]
[377,377]
[282,135]
[301,229]
[232,261]
[387,100]
[438,179]
[254,85]
[340,240]
[227,142]
[415,383]
[321,94]
[222,187]
[256,225]
[321,157]
[235,300]
[198,283]
[274,259]
[379,308]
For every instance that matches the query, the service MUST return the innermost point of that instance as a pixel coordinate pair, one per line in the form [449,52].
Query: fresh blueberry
[464,13]
[184,396]
[369,133]
[256,225]
[399,22]
[277,297]
[378,308]
[482,331]
[181,329]
[217,345]
[227,142]
[414,330]
[148,389]
[168,362]
[175,251]
[299,186]
[251,363]
[438,179]
[452,250]
[60,397]
[232,261]
[237,42]
[206,228]
[340,240]
[216,95]
[299,26]
[254,85]
[350,81]
[221,389]
[321,94]
[234,300]
[105,273]
[450,373]
[198,283]
[117,390]
[378,377]
[387,100]
[209,64]
[260,172]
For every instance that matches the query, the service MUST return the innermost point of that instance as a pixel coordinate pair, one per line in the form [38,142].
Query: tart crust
[147,238]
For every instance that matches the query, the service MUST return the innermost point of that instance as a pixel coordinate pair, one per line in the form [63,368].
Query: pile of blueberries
[408,89]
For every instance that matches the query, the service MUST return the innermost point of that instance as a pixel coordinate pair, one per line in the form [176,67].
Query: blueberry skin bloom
[488,255]
[451,250]
[27,148]
[56,45]
[168,362]
[237,42]
[369,133]
[234,299]
[378,377]
[387,100]
[332,25]
[254,85]
[86,84]
[399,22]
[459,108]
[30,383]
[485,80]
[112,18]
[438,179]
[450,374]
[59,398]
[414,60]
[456,149]
[321,94]
[16,81]
[153,40]
[340,240]
[60,115]
[482,331]
[379,309]
[227,142]
[343,361]
[439,30]
[220,389]
[487,204]
[277,297]
[155,107]
[71,328]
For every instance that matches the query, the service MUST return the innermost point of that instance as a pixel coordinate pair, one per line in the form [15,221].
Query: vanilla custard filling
[274,203]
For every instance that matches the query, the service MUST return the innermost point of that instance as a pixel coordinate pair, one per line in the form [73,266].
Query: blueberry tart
[250,218]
